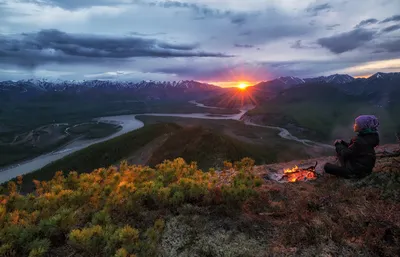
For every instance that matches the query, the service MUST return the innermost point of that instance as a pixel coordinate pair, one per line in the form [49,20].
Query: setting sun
[242,85]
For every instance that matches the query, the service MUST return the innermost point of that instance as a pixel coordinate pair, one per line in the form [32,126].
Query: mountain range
[145,90]
[380,88]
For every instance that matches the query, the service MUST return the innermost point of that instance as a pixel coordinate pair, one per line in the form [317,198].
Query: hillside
[207,147]
[178,210]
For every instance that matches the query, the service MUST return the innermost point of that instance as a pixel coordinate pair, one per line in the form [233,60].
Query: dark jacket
[359,155]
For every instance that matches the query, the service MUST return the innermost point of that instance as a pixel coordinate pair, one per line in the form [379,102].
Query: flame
[297,174]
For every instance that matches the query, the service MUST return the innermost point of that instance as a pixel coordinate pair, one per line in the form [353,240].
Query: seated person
[357,158]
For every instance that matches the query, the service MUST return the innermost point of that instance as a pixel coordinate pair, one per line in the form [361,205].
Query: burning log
[296,174]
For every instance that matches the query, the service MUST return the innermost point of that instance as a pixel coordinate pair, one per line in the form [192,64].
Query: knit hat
[367,123]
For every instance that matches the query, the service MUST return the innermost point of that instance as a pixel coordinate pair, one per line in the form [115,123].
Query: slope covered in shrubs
[110,212]
[176,209]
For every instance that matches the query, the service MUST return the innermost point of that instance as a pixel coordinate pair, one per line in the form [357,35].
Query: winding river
[130,123]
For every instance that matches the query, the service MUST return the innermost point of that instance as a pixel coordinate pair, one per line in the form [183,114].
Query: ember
[298,174]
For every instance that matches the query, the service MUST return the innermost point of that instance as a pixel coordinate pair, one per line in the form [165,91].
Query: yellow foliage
[100,210]
[126,235]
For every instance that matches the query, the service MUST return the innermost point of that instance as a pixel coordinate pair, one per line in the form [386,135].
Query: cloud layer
[207,40]
[54,45]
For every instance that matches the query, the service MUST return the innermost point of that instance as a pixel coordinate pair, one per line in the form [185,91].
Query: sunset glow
[242,85]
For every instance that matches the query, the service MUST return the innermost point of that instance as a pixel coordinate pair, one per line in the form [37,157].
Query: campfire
[296,174]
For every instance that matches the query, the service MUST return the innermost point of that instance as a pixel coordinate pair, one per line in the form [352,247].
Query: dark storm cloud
[393,18]
[347,41]
[366,22]
[243,46]
[391,28]
[56,46]
[392,46]
[316,9]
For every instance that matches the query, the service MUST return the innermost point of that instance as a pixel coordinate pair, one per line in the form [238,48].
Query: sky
[215,41]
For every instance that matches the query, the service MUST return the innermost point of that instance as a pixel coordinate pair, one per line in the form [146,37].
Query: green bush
[111,212]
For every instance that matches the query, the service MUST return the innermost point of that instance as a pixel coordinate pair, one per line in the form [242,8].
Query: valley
[258,142]
[295,120]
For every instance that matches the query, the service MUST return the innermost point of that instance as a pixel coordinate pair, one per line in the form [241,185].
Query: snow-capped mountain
[288,82]
[333,79]
[103,88]
[291,80]
[46,85]
[173,90]
[388,76]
